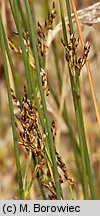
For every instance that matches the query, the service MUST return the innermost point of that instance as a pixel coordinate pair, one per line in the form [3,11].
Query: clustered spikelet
[42,31]
[42,34]
[43,73]
[32,137]
[51,17]
[62,165]
[71,54]
[30,134]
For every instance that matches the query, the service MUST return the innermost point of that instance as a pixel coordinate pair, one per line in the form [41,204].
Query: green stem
[28,73]
[54,46]
[17,90]
[78,110]
[79,117]
[24,52]
[49,137]
[71,133]
[3,48]
[38,178]
[22,14]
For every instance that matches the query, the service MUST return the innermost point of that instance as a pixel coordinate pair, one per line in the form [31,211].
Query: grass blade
[3,47]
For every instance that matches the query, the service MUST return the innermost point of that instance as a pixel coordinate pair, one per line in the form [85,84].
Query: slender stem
[77,102]
[54,46]
[22,14]
[69,15]
[12,67]
[91,180]
[28,73]
[65,114]
[80,123]
[73,140]
[38,178]
[24,52]
[3,47]
[49,137]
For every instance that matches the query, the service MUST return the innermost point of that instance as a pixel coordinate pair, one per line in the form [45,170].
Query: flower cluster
[42,31]
[33,137]
[71,54]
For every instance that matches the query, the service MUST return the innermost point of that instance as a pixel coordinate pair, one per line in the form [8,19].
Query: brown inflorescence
[33,137]
[42,31]
[71,54]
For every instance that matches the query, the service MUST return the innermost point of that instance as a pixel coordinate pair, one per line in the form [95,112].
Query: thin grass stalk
[50,138]
[62,102]
[65,117]
[77,105]
[81,126]
[69,15]
[91,179]
[27,163]
[12,8]
[63,24]
[66,120]
[32,11]
[25,56]
[4,19]
[73,140]
[24,21]
[53,92]
[78,110]
[54,46]
[39,182]
[65,114]
[17,90]
[22,14]
[3,48]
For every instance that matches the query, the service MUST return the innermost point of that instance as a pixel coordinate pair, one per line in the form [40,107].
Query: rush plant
[31,125]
